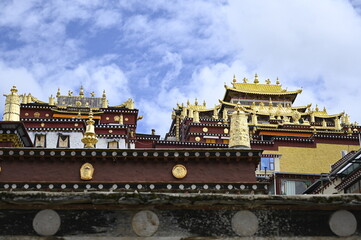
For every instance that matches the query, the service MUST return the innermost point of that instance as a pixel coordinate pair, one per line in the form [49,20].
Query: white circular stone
[42,153]
[343,223]
[87,186]
[94,153]
[186,154]
[155,154]
[254,187]
[73,153]
[38,186]
[135,154]
[83,153]
[193,186]
[244,223]
[75,186]
[151,186]
[250,154]
[21,153]
[100,186]
[228,154]
[238,154]
[196,154]
[62,153]
[104,154]
[114,154]
[139,186]
[115,186]
[46,222]
[145,154]
[124,154]
[230,187]
[31,152]
[127,186]
[205,186]
[218,186]
[181,186]
[176,154]
[243,187]
[1,152]
[169,186]
[166,154]
[145,223]
[13,186]
[51,186]
[26,186]
[11,152]
[6,186]
[63,186]
[52,153]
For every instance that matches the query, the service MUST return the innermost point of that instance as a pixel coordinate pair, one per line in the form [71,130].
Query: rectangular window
[40,140]
[113,145]
[211,140]
[267,164]
[63,141]
[225,141]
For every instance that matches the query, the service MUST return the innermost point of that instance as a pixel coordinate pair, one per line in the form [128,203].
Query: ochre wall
[310,160]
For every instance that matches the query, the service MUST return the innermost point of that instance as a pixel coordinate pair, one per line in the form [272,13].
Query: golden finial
[245,80]
[188,103]
[256,78]
[70,93]
[81,93]
[268,81]
[316,109]
[12,106]
[14,89]
[58,93]
[277,81]
[196,102]
[234,78]
[90,138]
[204,103]
[92,94]
[104,94]
[270,103]
[324,110]
[79,115]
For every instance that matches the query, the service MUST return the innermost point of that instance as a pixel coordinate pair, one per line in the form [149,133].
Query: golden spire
[51,100]
[277,81]
[188,102]
[89,137]
[196,102]
[256,79]
[245,80]
[104,100]
[12,106]
[316,109]
[204,103]
[324,109]
[268,81]
[58,93]
[234,78]
[81,93]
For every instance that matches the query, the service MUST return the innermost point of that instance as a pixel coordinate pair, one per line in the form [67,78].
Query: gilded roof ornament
[196,102]
[204,103]
[268,81]
[12,106]
[81,93]
[256,79]
[90,138]
[58,93]
[245,80]
[234,78]
[92,94]
[70,93]
[104,94]
[277,81]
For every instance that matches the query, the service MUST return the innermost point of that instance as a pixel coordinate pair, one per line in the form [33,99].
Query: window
[267,164]
[290,187]
[113,145]
[39,140]
[210,140]
[63,141]
[225,141]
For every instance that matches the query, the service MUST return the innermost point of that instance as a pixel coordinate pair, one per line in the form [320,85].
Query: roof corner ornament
[234,78]
[277,81]
[58,93]
[239,131]
[12,105]
[245,80]
[81,93]
[89,137]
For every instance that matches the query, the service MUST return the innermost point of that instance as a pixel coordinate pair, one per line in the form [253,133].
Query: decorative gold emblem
[205,129]
[179,171]
[197,139]
[110,131]
[86,171]
[76,124]
[47,115]
[78,103]
[37,115]
[126,119]
[42,124]
[226,131]
[26,114]
[116,118]
[107,118]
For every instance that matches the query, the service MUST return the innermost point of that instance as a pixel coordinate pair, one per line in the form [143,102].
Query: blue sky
[163,52]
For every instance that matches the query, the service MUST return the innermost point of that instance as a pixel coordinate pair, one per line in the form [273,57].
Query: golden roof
[256,88]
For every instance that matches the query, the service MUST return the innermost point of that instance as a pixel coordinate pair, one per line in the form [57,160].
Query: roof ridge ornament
[256,81]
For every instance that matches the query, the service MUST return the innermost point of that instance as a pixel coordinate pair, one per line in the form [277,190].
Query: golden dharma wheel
[179,171]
